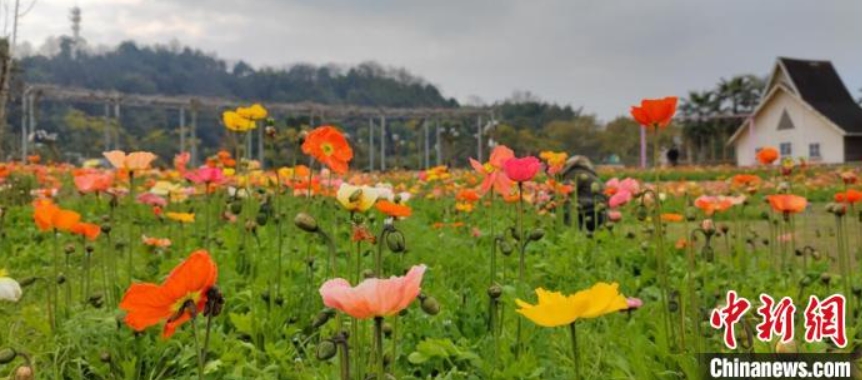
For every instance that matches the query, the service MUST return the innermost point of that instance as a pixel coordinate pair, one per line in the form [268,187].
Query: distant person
[673,156]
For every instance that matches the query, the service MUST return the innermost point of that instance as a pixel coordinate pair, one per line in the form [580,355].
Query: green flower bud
[495,291]
[506,248]
[306,222]
[326,350]
[7,355]
[236,207]
[322,317]
[395,241]
[105,357]
[430,306]
[27,281]
[537,234]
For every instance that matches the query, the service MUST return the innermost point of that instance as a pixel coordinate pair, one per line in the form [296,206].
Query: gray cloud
[602,55]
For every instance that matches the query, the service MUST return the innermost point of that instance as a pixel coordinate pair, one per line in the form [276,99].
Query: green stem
[378,342]
[576,357]
[198,351]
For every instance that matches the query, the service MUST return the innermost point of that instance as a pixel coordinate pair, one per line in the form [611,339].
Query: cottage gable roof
[819,85]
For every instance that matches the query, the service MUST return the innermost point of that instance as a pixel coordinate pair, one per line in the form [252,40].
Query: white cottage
[805,111]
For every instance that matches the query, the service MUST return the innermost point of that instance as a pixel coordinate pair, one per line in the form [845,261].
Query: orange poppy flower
[850,196]
[656,113]
[745,180]
[787,203]
[767,155]
[188,284]
[88,230]
[669,217]
[467,195]
[327,145]
[393,209]
[155,242]
[48,216]
[709,205]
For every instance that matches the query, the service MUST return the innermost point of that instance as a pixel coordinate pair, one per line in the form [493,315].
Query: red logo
[728,316]
[825,319]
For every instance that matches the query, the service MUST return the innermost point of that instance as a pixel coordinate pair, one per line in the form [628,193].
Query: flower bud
[395,242]
[641,213]
[495,291]
[24,372]
[251,226]
[516,234]
[595,187]
[236,207]
[825,278]
[690,214]
[505,248]
[368,273]
[106,229]
[326,350]
[430,306]
[387,329]
[61,279]
[69,248]
[27,281]
[7,355]
[537,234]
[270,130]
[322,317]
[306,222]
[105,357]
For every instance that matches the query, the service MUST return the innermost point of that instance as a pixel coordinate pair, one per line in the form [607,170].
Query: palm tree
[699,110]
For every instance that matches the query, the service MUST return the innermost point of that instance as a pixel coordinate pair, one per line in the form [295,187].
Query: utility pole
[479,139]
[382,143]
[439,143]
[370,144]
[182,129]
[427,144]
[6,55]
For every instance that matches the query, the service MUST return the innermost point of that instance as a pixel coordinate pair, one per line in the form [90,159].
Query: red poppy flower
[88,230]
[850,197]
[522,169]
[656,113]
[327,145]
[48,216]
[188,284]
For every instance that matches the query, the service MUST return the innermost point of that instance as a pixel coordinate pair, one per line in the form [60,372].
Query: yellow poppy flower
[234,122]
[182,217]
[355,198]
[554,309]
[554,158]
[254,112]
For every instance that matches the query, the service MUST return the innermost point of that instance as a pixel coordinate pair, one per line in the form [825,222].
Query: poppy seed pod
[326,350]
[387,329]
[262,218]
[69,249]
[61,279]
[516,234]
[106,229]
[236,207]
[690,214]
[825,278]
[306,222]
[641,213]
[7,355]
[430,306]
[105,357]
[395,242]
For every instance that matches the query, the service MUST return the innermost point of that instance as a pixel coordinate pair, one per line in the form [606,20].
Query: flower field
[522,267]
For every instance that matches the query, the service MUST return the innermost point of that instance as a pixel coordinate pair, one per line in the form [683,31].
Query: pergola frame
[191,105]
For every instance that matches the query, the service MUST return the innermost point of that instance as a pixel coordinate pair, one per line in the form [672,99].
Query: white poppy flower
[10,290]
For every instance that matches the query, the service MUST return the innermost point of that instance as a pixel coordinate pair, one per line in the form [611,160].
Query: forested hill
[184,71]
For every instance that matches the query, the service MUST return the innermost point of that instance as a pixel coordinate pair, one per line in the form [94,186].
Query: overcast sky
[603,55]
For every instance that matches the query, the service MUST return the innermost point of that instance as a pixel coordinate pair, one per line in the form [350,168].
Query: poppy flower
[151,199]
[327,145]
[767,155]
[373,297]
[849,177]
[710,205]
[850,197]
[655,113]
[235,122]
[155,242]
[555,160]
[393,209]
[745,180]
[188,284]
[181,160]
[361,233]
[464,207]
[93,182]
[253,112]
[787,203]
[88,230]
[182,217]
[356,198]
[467,195]
[555,309]
[492,171]
[48,216]
[522,169]
[671,217]
[206,175]
[132,161]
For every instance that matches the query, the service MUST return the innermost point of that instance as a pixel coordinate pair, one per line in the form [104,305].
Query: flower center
[488,167]
[327,148]
[191,297]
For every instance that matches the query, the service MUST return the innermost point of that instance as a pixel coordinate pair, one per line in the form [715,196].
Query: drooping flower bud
[306,222]
[7,355]
[505,248]
[537,234]
[495,291]
[322,317]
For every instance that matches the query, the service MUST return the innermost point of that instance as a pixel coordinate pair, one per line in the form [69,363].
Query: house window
[814,151]
[786,149]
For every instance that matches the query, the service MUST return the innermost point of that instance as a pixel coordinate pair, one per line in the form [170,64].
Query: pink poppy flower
[373,297]
[493,170]
[615,215]
[206,175]
[522,169]
[181,160]
[151,199]
[93,182]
